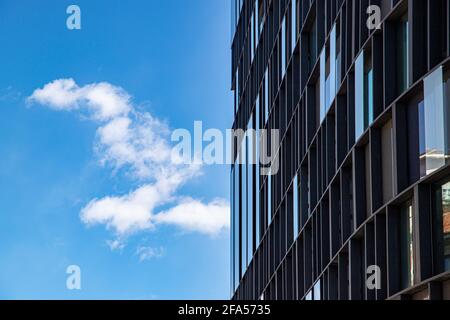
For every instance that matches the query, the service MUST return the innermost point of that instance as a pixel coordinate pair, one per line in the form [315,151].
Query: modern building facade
[363,186]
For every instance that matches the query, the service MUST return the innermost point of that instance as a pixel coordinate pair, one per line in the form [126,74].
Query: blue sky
[172,57]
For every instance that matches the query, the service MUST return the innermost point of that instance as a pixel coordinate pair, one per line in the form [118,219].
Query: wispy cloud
[149,253]
[138,143]
[9,94]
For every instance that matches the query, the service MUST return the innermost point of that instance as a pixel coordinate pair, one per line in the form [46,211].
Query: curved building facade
[358,206]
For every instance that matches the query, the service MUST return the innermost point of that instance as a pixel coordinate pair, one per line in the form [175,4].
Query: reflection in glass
[359,96]
[232,231]
[363,93]
[250,161]
[269,199]
[256,23]
[332,63]
[257,174]
[293,25]
[236,223]
[328,78]
[323,64]
[407,246]
[443,227]
[433,124]
[283,48]
[317,293]
[308,296]
[244,206]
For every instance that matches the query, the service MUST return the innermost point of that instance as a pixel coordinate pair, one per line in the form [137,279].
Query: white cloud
[149,253]
[103,100]
[139,143]
[193,215]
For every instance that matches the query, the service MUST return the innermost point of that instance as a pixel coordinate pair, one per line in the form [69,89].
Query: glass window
[359,96]
[233,18]
[387,142]
[338,58]
[266,96]
[363,93]
[257,22]
[407,245]
[236,224]
[317,291]
[252,36]
[236,100]
[369,90]
[283,48]
[332,76]
[269,199]
[244,207]
[308,296]
[312,45]
[442,228]
[257,174]
[403,54]
[293,24]
[260,6]
[433,124]
[250,161]
[295,207]
[232,231]
[328,78]
[323,63]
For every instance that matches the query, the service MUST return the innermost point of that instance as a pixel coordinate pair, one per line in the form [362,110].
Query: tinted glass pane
[442,228]
[402,55]
[283,47]
[406,246]
[323,63]
[250,157]
[257,174]
[293,24]
[244,208]
[295,207]
[433,122]
[332,76]
[317,289]
[266,96]
[269,199]
[359,96]
[236,225]
[252,36]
